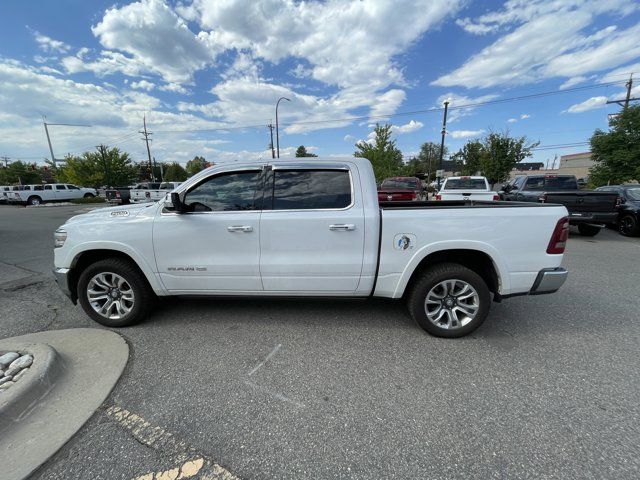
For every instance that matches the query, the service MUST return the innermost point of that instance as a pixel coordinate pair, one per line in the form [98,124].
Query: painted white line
[261,364]
[273,394]
[186,470]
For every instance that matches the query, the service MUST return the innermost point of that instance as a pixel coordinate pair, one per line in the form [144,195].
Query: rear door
[61,192]
[311,230]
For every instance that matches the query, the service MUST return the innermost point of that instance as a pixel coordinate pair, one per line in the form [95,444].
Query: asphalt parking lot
[548,387]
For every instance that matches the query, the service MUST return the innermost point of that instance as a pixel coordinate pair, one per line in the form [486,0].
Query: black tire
[587,230]
[433,276]
[144,298]
[89,195]
[34,200]
[628,226]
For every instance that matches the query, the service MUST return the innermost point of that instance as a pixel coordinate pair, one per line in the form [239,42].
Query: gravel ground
[548,387]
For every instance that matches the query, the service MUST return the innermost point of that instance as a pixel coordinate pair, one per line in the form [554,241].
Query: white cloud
[621,74]
[107,63]
[349,138]
[573,81]
[48,44]
[143,85]
[155,37]
[174,87]
[524,116]
[544,39]
[465,133]
[589,104]
[410,127]
[461,105]
[512,120]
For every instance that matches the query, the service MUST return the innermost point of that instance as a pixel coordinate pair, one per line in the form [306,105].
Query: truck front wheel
[114,293]
[449,300]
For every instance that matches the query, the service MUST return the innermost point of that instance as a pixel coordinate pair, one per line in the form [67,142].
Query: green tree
[196,165]
[302,152]
[106,166]
[385,157]
[20,172]
[429,158]
[470,156]
[500,153]
[617,152]
[175,173]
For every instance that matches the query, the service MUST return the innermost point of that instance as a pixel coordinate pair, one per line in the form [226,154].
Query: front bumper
[549,280]
[62,276]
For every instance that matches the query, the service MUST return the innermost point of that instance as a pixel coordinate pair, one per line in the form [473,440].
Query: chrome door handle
[240,228]
[343,227]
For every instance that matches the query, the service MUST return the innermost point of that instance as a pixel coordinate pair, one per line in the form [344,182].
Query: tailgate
[396,195]
[580,201]
[470,195]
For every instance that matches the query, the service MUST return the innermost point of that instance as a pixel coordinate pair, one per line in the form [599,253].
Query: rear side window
[311,189]
[534,183]
[225,192]
[560,183]
[72,187]
[465,184]
[60,187]
[47,187]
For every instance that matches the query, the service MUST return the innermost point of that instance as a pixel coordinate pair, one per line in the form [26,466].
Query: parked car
[401,189]
[466,188]
[628,220]
[313,228]
[589,210]
[146,193]
[51,192]
[4,193]
[118,195]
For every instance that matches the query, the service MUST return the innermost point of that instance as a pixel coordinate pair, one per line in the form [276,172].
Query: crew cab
[589,210]
[312,228]
[401,189]
[50,192]
[466,188]
[151,192]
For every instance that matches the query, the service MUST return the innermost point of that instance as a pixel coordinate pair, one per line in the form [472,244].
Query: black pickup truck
[122,195]
[589,210]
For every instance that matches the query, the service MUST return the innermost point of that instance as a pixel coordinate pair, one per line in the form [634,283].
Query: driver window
[226,192]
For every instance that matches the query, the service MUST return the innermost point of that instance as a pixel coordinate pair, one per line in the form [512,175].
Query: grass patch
[88,200]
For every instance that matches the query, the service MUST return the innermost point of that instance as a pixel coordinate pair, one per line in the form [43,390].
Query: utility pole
[102,149]
[146,135]
[625,103]
[273,152]
[277,132]
[444,132]
[53,158]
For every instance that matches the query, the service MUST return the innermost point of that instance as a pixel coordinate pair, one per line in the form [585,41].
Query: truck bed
[433,204]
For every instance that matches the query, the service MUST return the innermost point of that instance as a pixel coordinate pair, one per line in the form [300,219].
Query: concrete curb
[74,372]
[38,380]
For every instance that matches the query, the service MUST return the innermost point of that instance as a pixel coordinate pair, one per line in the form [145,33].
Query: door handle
[343,227]
[240,228]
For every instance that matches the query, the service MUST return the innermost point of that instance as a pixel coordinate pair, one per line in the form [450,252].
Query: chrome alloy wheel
[110,295]
[452,304]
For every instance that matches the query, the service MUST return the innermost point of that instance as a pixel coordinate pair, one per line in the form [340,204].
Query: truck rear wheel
[587,230]
[114,293]
[628,226]
[34,200]
[449,300]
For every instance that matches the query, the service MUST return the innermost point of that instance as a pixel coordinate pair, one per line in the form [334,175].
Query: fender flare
[504,284]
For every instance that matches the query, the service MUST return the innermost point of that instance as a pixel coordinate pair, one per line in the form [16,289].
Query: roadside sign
[439,173]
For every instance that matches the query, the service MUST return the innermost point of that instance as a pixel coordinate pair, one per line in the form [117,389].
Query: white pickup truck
[50,192]
[466,188]
[312,228]
[151,192]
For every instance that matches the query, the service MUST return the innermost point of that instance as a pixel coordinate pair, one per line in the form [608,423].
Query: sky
[207,74]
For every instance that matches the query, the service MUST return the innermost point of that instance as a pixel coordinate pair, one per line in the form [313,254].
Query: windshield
[633,193]
[399,183]
[465,184]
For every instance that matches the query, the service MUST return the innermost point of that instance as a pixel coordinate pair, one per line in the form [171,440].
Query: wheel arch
[472,257]
[87,257]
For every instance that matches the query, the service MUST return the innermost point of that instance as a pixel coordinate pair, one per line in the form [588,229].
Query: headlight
[59,237]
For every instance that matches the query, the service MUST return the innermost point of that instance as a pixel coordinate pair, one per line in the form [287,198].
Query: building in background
[577,164]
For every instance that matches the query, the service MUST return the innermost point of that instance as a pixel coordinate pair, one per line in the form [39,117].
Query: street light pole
[277,133]
[444,132]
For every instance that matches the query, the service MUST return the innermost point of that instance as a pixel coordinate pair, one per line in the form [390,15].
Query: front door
[215,246]
[311,231]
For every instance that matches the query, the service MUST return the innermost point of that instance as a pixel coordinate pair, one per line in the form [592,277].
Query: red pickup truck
[401,189]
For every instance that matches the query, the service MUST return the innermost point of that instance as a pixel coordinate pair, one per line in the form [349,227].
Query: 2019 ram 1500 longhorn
[313,228]
[589,210]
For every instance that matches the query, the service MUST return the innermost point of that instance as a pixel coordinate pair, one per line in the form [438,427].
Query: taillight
[414,196]
[618,201]
[117,194]
[496,198]
[438,197]
[542,198]
[559,237]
